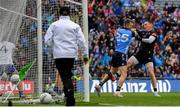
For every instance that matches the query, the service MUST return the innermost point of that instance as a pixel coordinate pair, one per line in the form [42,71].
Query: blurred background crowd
[104,17]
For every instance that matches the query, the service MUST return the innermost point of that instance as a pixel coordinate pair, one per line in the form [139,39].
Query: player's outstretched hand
[137,34]
[85,60]
[138,38]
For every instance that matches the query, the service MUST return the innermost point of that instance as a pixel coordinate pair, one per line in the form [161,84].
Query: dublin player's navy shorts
[118,59]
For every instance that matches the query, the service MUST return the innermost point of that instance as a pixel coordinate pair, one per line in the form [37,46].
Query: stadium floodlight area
[24,23]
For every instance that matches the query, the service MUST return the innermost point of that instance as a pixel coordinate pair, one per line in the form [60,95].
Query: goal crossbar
[5,9]
[71,1]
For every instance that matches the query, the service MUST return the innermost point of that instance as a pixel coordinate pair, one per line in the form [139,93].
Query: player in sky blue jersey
[123,40]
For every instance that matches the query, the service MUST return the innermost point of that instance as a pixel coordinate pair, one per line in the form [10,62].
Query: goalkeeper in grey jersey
[7,68]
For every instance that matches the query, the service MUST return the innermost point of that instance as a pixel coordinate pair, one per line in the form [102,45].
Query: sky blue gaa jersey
[123,40]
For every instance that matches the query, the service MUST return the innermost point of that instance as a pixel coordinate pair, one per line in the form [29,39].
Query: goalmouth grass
[129,99]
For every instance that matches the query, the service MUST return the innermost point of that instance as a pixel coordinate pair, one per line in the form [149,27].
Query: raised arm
[93,2]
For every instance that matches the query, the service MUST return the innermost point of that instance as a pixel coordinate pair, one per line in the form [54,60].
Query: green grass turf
[129,99]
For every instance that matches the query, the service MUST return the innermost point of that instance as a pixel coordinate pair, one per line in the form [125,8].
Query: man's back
[67,29]
[6,51]
[65,37]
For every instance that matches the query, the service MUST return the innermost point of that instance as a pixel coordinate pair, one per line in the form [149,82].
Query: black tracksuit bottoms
[64,66]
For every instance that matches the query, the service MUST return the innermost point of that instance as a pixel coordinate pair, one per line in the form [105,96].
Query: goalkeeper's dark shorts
[118,59]
[144,57]
[7,68]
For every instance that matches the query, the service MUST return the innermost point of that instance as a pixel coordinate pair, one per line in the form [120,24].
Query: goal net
[19,25]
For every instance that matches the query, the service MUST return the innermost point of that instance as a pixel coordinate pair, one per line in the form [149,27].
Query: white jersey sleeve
[6,52]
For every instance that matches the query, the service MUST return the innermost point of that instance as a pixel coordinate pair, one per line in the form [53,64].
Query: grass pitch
[138,99]
[129,99]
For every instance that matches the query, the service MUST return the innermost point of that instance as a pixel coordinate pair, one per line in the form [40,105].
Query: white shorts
[7,68]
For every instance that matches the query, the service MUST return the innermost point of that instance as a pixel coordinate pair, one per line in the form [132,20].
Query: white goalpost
[40,56]
[24,22]
[86,68]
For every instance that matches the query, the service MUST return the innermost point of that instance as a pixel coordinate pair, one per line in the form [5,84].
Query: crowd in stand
[105,16]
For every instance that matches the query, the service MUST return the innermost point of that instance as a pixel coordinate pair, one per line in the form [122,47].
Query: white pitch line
[71,1]
[105,104]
